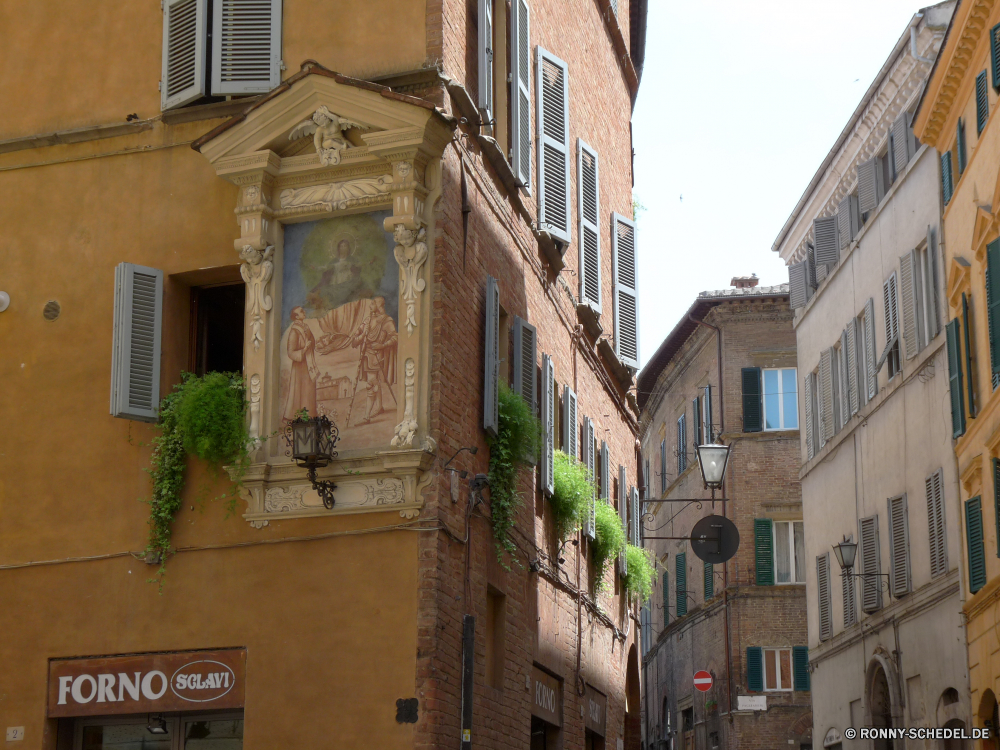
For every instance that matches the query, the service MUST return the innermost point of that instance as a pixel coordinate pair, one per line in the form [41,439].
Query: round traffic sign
[703,681]
[715,539]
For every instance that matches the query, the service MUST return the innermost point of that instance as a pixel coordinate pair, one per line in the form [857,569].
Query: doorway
[160,732]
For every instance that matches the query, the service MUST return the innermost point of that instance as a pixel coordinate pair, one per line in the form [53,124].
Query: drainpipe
[914,22]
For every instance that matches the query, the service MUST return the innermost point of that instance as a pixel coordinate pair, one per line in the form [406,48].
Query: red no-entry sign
[703,681]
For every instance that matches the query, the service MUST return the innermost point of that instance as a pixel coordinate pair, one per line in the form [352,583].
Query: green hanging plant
[517,442]
[640,573]
[572,490]
[204,417]
[609,540]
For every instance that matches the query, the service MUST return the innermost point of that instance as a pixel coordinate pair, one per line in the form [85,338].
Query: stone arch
[987,713]
[882,704]
[665,719]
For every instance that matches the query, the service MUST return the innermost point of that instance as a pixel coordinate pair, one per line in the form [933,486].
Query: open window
[217,326]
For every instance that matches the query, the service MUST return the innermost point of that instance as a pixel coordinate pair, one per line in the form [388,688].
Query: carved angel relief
[256,271]
[411,253]
[327,130]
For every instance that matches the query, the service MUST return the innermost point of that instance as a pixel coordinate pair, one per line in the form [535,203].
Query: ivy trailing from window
[516,444]
[609,540]
[639,578]
[572,490]
[204,417]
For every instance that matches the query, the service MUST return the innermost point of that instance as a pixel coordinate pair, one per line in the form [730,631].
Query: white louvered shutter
[807,397]
[524,356]
[871,584]
[823,586]
[851,361]
[867,186]
[185,32]
[826,242]
[486,60]
[636,518]
[520,92]
[246,46]
[899,543]
[847,220]
[909,283]
[844,385]
[623,515]
[889,308]
[548,424]
[850,597]
[589,459]
[605,471]
[589,202]
[903,143]
[872,384]
[136,340]
[552,96]
[798,293]
[570,431]
[826,395]
[933,486]
[624,263]
[934,314]
[491,358]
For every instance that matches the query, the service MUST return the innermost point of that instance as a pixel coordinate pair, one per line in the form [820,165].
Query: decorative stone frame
[387,157]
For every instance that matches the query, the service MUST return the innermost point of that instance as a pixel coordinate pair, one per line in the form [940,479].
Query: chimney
[744,282]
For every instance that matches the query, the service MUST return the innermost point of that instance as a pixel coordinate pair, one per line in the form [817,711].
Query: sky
[738,106]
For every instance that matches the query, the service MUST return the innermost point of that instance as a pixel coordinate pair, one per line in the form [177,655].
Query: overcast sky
[739,104]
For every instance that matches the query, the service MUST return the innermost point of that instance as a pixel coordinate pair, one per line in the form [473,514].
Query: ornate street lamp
[312,441]
[713,459]
[846,553]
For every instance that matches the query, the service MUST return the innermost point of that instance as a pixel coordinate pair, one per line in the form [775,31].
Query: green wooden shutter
[996,498]
[666,597]
[968,355]
[982,102]
[753,409]
[993,301]
[955,380]
[755,669]
[946,183]
[709,581]
[800,667]
[995,55]
[763,537]
[960,150]
[697,423]
[974,542]
[682,602]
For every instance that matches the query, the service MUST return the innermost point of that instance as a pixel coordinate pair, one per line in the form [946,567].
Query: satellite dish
[715,539]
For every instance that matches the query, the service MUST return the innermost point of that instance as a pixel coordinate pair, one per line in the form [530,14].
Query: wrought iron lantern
[713,460]
[312,441]
[846,553]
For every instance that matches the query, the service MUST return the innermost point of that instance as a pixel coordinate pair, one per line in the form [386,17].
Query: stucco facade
[350,619]
[877,466]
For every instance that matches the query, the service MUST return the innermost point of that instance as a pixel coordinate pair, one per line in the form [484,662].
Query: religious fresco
[339,323]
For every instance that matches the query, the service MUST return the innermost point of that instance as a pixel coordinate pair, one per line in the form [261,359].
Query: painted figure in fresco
[341,280]
[301,349]
[376,337]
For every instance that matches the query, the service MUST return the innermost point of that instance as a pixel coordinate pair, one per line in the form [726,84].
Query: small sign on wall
[15,733]
[751,703]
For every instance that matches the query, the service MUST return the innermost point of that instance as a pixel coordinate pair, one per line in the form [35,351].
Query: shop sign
[546,693]
[148,683]
[595,711]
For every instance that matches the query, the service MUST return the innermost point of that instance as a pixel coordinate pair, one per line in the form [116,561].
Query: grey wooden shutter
[624,264]
[848,220]
[826,395]
[909,282]
[899,544]
[849,596]
[525,352]
[850,337]
[136,341]
[246,46]
[605,471]
[485,100]
[890,297]
[696,412]
[903,143]
[823,598]
[811,280]
[932,264]
[872,385]
[637,519]
[571,431]
[706,402]
[982,102]
[185,32]
[491,370]
[588,202]
[934,491]
[681,444]
[843,399]
[867,186]
[871,585]
[520,91]
[808,398]
[548,424]
[955,379]
[826,241]
[798,292]
[552,96]
[623,515]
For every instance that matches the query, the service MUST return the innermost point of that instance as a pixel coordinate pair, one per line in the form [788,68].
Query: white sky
[739,104]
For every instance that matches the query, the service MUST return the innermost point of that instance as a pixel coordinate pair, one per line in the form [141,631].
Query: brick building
[449,211]
[726,372]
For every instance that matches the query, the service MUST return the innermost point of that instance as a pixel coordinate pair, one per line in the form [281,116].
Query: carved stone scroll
[256,271]
[407,429]
[411,254]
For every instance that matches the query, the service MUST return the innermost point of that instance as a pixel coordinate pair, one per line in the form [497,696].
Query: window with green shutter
[763,537]
[947,186]
[993,302]
[960,150]
[800,667]
[982,102]
[974,542]
[995,55]
[996,498]
[955,380]
[966,335]
[709,581]
[681,585]
[666,597]
[755,669]
[753,408]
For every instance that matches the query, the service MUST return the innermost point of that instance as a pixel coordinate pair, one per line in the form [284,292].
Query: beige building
[868,286]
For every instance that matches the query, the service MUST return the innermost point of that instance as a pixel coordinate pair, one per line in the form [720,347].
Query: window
[789,552]
[899,546]
[219,48]
[496,612]
[777,669]
[918,284]
[666,597]
[624,264]
[992,305]
[849,596]
[681,444]
[955,378]
[195,732]
[588,203]
[890,312]
[680,585]
[217,323]
[520,92]
[947,186]
[781,410]
[663,465]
